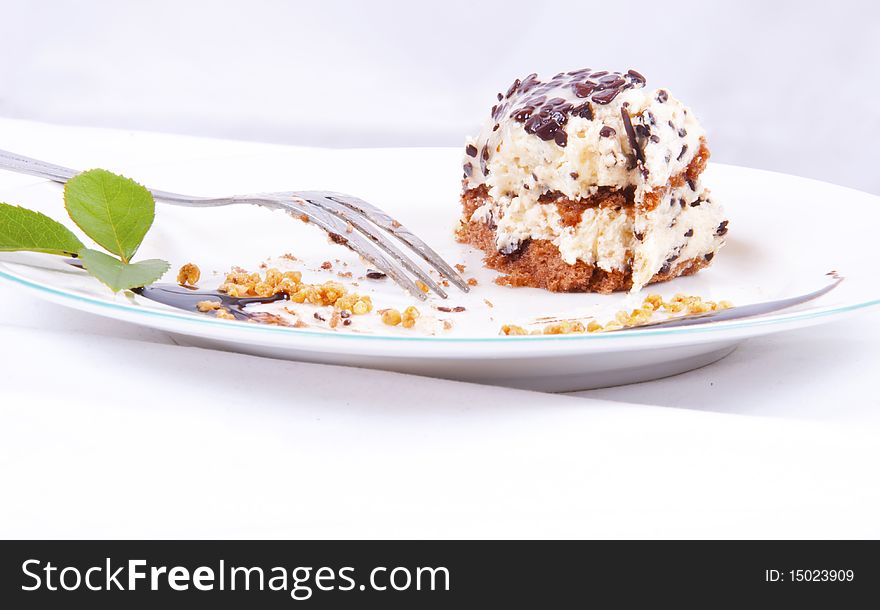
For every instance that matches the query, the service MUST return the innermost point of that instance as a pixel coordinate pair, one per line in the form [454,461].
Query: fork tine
[341,233]
[377,238]
[386,222]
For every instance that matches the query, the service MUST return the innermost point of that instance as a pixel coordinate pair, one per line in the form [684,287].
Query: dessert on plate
[589,181]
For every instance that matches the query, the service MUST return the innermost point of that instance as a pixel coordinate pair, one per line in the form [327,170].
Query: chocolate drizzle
[531,101]
[544,108]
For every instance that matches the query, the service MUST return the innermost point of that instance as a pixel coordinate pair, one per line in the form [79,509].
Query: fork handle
[26,165]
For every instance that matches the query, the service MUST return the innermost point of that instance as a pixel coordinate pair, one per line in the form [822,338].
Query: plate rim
[180,316]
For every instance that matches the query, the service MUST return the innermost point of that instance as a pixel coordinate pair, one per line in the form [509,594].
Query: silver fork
[347,220]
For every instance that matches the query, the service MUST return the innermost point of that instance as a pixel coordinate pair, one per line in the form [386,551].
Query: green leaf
[122,276]
[114,211]
[23,229]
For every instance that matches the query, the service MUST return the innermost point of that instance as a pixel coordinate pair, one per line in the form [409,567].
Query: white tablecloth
[781,439]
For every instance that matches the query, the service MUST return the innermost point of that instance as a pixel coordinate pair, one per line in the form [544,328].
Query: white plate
[785,234]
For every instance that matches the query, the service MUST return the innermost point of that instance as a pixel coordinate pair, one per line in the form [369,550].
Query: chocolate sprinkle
[689,233]
[681,154]
[682,132]
[636,75]
[471,150]
[585,111]
[722,229]
[561,138]
[468,169]
[483,158]
[375,275]
[709,256]
[584,89]
[662,96]
[631,135]
[607,132]
[548,122]
[605,97]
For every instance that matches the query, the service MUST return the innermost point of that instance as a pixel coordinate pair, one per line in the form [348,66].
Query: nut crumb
[189,275]
[472,281]
[653,303]
[391,317]
[565,327]
[409,317]
[224,314]
[205,306]
[326,265]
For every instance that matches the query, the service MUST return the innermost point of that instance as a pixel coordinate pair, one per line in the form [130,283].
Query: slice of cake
[589,182]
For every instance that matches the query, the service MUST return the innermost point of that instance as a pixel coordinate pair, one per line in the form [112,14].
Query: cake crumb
[326,265]
[513,329]
[472,281]
[459,267]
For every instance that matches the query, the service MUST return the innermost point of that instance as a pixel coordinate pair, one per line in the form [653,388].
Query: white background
[778,440]
[790,86]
